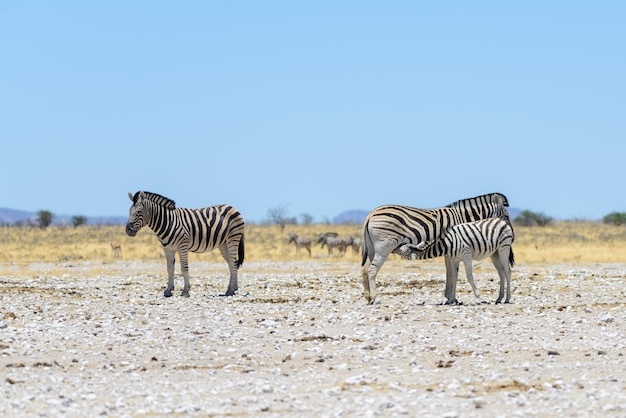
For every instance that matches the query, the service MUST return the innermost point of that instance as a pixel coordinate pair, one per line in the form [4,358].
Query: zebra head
[136,218]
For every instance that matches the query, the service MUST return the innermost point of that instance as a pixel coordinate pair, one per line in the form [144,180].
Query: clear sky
[317,106]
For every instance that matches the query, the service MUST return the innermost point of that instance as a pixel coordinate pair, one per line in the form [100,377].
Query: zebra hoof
[229,293]
[167,293]
[185,294]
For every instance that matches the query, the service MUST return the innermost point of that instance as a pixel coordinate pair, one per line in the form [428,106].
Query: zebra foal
[388,227]
[182,230]
[469,241]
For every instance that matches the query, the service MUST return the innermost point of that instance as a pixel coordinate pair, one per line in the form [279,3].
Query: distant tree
[306,219]
[615,218]
[79,220]
[278,216]
[44,218]
[528,218]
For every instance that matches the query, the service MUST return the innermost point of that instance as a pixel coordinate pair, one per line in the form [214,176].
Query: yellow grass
[562,242]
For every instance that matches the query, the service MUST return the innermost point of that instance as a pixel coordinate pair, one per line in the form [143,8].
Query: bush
[615,218]
[528,218]
[44,218]
[79,220]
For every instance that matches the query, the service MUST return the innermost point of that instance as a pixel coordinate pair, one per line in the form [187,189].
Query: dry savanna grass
[562,242]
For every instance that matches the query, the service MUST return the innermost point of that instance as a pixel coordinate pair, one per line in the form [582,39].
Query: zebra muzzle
[130,231]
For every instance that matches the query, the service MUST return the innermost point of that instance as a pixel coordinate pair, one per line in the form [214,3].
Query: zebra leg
[467,260]
[452,273]
[372,270]
[366,280]
[499,265]
[507,271]
[229,252]
[184,268]
[170,259]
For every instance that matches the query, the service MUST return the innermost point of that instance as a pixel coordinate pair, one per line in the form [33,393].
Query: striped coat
[469,241]
[182,230]
[388,227]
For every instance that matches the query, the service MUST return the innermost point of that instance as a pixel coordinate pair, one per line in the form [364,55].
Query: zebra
[182,230]
[300,242]
[355,244]
[388,227]
[490,237]
[334,241]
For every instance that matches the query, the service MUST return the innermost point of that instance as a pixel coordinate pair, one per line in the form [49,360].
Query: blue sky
[318,107]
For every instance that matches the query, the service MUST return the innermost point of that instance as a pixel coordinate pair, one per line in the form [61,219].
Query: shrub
[79,220]
[44,218]
[615,218]
[529,218]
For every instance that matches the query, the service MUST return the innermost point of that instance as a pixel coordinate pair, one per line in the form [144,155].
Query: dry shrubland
[562,242]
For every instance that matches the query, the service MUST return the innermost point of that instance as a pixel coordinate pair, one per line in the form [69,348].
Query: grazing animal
[334,241]
[116,249]
[390,226]
[182,230]
[469,241]
[303,242]
[356,244]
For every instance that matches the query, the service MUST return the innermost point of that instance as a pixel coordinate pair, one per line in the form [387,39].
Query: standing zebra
[334,241]
[490,237]
[300,242]
[184,230]
[388,227]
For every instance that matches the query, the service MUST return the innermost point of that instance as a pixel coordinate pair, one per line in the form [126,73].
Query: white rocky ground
[89,339]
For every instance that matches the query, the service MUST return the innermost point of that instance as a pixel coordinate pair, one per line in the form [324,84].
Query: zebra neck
[159,220]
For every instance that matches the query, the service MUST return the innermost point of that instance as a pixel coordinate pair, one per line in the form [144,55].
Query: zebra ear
[130,195]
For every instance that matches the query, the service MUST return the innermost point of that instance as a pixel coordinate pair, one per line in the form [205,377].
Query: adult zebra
[469,241]
[182,230]
[387,227]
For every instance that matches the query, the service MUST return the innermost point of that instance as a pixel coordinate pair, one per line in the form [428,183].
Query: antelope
[116,249]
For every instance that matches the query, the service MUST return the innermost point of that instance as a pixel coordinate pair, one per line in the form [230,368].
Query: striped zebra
[388,227]
[184,230]
[469,241]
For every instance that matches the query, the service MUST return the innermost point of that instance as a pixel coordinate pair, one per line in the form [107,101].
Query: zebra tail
[366,240]
[511,258]
[241,254]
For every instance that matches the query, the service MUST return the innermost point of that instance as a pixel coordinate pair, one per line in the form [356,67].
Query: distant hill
[350,217]
[22,217]
[11,216]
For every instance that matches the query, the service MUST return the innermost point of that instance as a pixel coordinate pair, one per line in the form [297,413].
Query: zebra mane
[481,200]
[157,199]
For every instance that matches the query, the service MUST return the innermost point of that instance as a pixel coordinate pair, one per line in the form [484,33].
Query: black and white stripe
[388,227]
[182,230]
[469,241]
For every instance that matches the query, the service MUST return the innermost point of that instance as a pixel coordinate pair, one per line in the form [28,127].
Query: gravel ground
[93,338]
